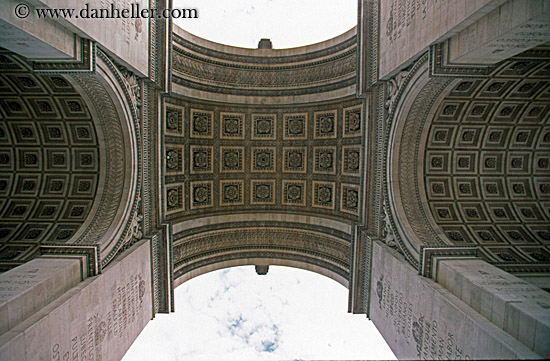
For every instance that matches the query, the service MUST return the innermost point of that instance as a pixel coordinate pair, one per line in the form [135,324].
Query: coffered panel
[49,160]
[487,172]
[263,158]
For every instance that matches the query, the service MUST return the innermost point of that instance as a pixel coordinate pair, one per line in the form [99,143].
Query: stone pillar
[32,37]
[31,286]
[40,37]
[421,319]
[63,317]
[514,305]
[508,30]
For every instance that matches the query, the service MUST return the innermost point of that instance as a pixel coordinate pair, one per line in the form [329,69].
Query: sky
[288,23]
[235,314]
[289,314]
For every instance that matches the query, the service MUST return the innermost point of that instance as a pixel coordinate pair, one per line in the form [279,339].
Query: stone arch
[268,245]
[411,95]
[69,159]
[467,162]
[108,93]
[254,261]
[263,153]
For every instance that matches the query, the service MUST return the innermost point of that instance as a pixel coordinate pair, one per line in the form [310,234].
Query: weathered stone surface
[510,303]
[508,30]
[97,319]
[46,38]
[30,287]
[477,29]
[34,38]
[420,319]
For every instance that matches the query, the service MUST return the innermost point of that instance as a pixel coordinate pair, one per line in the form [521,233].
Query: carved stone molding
[159,50]
[440,66]
[374,163]
[313,247]
[274,83]
[120,164]
[521,269]
[212,55]
[128,82]
[426,266]
[388,235]
[132,83]
[332,230]
[84,60]
[264,76]
[399,169]
[360,272]
[150,116]
[329,69]
[162,270]
[368,39]
[310,242]
[91,254]
[394,87]
[284,258]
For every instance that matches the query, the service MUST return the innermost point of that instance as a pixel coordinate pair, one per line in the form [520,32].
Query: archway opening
[234,313]
[287,23]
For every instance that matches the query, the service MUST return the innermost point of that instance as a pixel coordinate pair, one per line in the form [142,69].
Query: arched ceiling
[468,162]
[49,159]
[486,170]
[263,153]
[210,71]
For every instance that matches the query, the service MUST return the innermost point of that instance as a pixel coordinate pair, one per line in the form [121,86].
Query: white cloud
[234,314]
[288,23]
